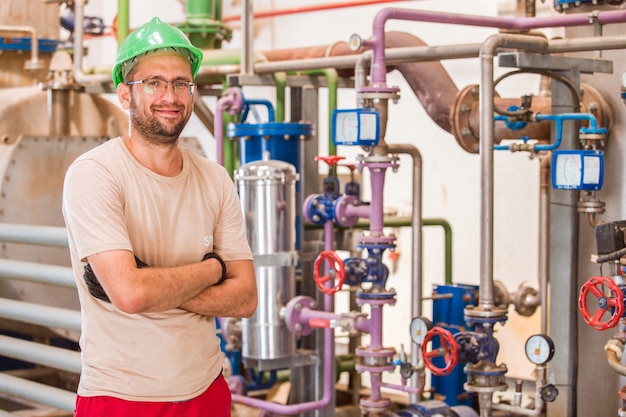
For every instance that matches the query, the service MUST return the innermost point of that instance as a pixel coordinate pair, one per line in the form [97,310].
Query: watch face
[419,327]
[539,349]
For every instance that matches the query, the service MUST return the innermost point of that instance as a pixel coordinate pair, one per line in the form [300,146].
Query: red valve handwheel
[335,264]
[448,349]
[614,299]
[330,159]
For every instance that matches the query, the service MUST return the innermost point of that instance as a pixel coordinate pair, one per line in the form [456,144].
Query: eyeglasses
[158,86]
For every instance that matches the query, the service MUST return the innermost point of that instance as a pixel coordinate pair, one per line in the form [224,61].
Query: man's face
[160,116]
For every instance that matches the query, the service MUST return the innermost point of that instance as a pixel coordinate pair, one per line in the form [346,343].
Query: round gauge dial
[539,349]
[419,327]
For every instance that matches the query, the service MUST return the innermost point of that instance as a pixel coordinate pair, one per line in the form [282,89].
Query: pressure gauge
[539,349]
[419,327]
[577,170]
[356,127]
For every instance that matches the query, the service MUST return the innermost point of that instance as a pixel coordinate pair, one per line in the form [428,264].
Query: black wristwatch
[213,255]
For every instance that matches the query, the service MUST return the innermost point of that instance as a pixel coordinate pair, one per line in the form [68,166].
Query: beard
[154,130]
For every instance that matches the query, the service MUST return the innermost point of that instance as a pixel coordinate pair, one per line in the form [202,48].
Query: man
[158,247]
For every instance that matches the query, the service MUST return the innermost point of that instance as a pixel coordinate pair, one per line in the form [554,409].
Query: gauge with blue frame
[577,169]
[355,127]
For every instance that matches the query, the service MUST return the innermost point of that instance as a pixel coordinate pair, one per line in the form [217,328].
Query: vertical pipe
[544,233]
[200,9]
[59,108]
[247,23]
[123,24]
[486,289]
[417,237]
[79,16]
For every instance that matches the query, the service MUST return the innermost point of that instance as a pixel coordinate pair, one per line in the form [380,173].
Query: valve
[549,393]
[614,299]
[448,350]
[337,270]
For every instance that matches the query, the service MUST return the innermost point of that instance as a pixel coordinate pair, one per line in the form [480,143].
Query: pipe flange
[495,313]
[591,206]
[501,296]
[485,377]
[524,301]
[465,105]
[293,315]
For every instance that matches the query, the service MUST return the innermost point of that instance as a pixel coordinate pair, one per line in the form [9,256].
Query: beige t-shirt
[110,201]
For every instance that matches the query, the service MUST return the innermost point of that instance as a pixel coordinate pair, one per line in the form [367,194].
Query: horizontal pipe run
[40,273]
[34,235]
[39,314]
[53,357]
[40,393]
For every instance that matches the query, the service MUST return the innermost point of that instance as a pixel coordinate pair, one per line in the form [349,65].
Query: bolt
[466,132]
[298,327]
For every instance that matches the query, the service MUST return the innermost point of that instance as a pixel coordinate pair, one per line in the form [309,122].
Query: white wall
[451,175]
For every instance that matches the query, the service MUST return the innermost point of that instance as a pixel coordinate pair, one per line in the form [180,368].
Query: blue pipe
[246,108]
[558,119]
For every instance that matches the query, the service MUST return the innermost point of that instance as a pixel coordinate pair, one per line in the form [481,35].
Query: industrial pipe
[34,63]
[43,394]
[37,272]
[40,314]
[54,357]
[417,279]
[34,235]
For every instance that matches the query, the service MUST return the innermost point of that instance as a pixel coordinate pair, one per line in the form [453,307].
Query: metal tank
[267,195]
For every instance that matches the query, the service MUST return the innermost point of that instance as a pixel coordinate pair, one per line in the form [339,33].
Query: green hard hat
[152,36]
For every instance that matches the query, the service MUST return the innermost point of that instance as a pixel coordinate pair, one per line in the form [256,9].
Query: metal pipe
[54,357]
[378,69]
[486,96]
[544,235]
[614,350]
[34,62]
[37,272]
[247,25]
[79,35]
[34,235]
[39,314]
[416,254]
[40,393]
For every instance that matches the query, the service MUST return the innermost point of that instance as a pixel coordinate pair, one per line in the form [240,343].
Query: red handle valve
[336,270]
[448,349]
[610,299]
[330,159]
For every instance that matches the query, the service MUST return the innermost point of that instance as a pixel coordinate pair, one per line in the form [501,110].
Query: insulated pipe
[39,314]
[36,272]
[43,394]
[378,69]
[487,53]
[53,357]
[417,281]
[34,235]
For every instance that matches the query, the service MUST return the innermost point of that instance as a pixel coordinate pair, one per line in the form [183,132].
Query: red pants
[214,402]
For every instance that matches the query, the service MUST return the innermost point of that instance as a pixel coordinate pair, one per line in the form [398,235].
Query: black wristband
[213,255]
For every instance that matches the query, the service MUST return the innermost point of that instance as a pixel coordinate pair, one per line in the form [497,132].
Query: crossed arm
[190,287]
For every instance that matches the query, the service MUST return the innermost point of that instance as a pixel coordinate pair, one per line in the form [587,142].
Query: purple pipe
[231,102]
[378,73]
[293,409]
